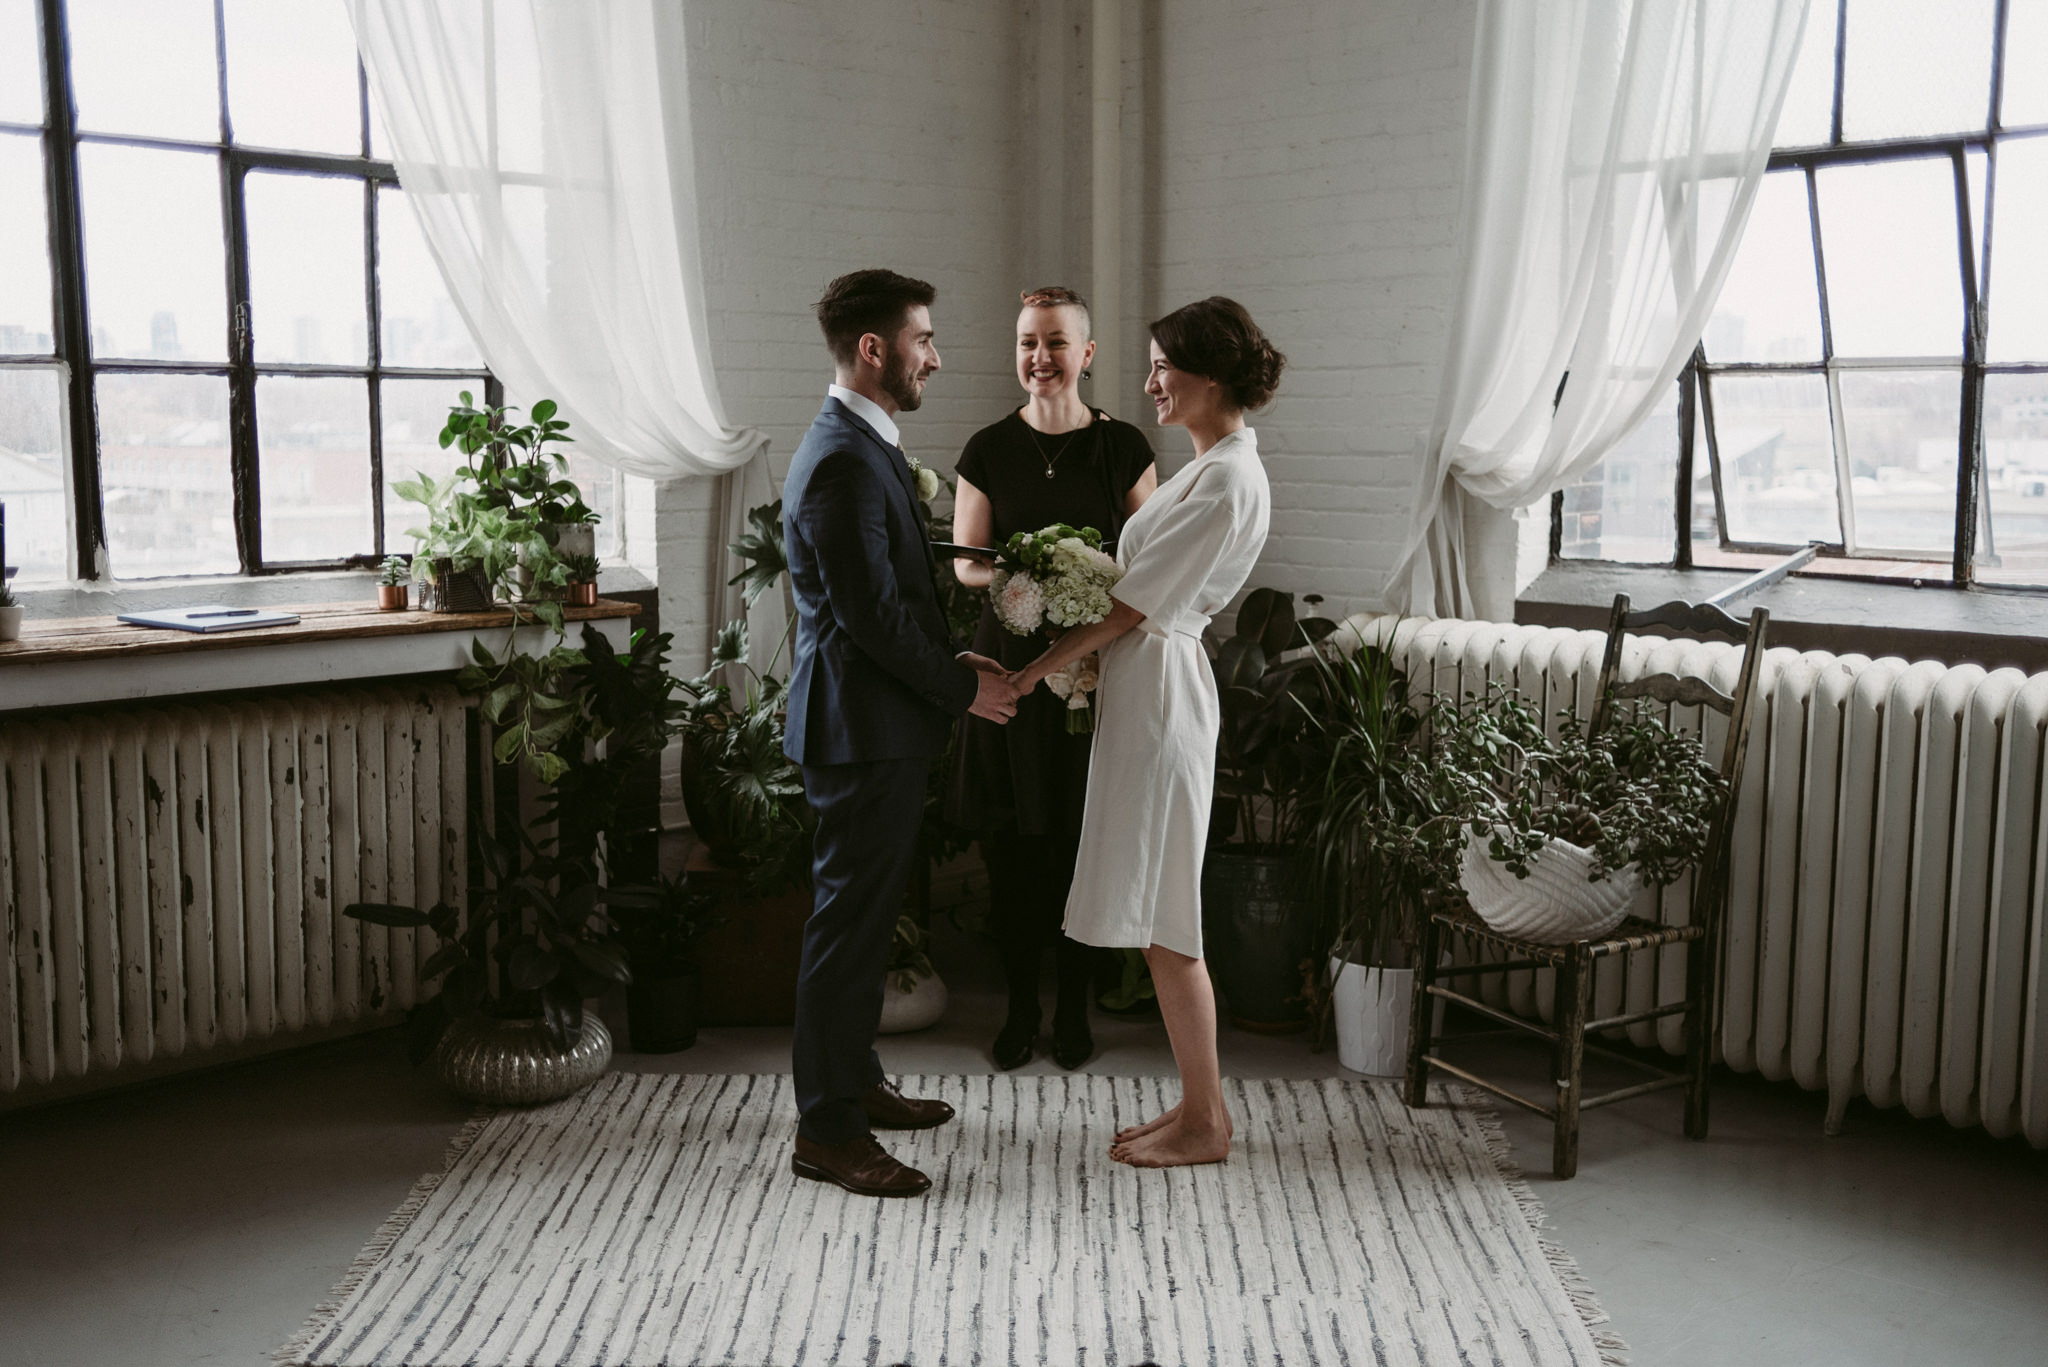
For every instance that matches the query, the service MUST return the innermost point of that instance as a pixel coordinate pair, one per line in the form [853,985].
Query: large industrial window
[1875,376]
[221,334]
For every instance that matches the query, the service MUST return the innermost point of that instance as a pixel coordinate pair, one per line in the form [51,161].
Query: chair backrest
[1710,883]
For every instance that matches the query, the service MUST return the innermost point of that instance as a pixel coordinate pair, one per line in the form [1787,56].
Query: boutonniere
[928,481]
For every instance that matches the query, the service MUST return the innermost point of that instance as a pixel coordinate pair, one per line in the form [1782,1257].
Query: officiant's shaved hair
[1060,297]
[860,302]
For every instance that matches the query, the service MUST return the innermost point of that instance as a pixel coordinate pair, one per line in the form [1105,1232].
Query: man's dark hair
[860,302]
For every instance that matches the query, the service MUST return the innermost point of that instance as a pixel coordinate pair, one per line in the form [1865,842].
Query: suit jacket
[875,675]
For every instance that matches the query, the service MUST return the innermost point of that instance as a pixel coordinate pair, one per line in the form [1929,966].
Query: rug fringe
[1614,1351]
[293,1354]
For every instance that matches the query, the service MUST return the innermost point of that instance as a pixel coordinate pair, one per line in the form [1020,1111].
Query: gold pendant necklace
[1054,460]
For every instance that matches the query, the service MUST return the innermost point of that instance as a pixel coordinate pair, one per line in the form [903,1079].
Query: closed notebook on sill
[211,617]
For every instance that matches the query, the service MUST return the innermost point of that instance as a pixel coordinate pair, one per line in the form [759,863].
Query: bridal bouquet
[1057,577]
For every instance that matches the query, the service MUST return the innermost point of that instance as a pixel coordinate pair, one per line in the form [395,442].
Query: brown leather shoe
[889,1109]
[860,1165]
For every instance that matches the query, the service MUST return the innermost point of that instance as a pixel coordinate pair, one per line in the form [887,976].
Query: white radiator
[172,878]
[1890,868]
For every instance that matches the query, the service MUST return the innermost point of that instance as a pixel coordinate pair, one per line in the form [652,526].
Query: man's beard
[899,382]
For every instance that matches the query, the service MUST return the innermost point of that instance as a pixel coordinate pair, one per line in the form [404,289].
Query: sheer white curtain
[545,147]
[1613,150]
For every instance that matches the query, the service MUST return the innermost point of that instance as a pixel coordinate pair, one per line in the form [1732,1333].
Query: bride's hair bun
[1216,338]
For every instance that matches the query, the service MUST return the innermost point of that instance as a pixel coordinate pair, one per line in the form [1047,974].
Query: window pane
[2024,98]
[2014,550]
[154,261]
[1769,310]
[146,66]
[25,248]
[21,68]
[1914,67]
[170,499]
[32,471]
[292,76]
[306,268]
[314,436]
[2019,269]
[1808,117]
[419,322]
[1624,508]
[1888,237]
[1902,428]
[414,411]
[1777,458]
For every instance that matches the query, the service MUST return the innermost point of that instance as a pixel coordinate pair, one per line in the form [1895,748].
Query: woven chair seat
[1632,934]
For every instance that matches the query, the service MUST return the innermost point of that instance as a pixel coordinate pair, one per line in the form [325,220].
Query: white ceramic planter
[10,623]
[921,1006]
[1371,1006]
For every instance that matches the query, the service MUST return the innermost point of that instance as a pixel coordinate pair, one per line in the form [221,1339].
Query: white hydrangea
[1073,601]
[1074,557]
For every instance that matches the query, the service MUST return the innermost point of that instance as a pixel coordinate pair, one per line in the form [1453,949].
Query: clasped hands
[997,689]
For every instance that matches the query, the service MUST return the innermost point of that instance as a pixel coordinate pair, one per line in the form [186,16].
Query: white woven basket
[1556,903]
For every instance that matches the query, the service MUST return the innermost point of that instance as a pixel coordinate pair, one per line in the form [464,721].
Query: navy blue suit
[873,694]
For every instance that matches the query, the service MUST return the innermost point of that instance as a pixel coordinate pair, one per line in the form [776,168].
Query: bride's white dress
[1153,767]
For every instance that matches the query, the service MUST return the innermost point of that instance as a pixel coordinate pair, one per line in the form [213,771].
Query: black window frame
[1696,379]
[72,354]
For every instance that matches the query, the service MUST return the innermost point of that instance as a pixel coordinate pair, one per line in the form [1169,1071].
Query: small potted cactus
[582,591]
[393,581]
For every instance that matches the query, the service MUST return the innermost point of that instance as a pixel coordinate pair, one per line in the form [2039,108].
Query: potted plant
[660,929]
[519,1036]
[1375,851]
[520,465]
[392,577]
[1258,917]
[913,994]
[582,586]
[746,804]
[501,523]
[1558,828]
[10,614]
[466,549]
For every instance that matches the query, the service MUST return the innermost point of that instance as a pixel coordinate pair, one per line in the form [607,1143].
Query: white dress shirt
[869,412]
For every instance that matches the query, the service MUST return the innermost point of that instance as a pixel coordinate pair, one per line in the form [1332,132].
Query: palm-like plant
[1373,839]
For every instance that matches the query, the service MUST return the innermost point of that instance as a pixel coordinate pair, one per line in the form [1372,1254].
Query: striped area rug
[654,1220]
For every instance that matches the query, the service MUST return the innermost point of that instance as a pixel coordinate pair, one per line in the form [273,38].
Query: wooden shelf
[75,639]
[68,662]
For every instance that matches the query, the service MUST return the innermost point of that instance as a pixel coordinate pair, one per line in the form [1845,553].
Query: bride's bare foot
[1161,1121]
[1182,1143]
[1130,1132]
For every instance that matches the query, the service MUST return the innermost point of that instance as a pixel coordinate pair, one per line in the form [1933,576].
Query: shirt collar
[869,412]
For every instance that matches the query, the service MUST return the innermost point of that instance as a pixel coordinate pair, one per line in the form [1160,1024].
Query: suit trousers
[868,818]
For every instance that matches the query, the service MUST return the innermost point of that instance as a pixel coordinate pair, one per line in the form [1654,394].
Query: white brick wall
[1300,155]
[834,134]
[1308,157]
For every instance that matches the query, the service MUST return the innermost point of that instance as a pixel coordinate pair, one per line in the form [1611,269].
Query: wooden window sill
[68,661]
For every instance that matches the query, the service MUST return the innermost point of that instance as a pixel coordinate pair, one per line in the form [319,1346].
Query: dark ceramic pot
[661,1013]
[1257,928]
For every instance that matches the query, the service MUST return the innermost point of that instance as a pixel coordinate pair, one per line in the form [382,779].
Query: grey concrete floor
[199,1219]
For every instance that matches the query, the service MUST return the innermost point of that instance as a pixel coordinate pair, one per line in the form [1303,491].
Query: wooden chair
[1574,962]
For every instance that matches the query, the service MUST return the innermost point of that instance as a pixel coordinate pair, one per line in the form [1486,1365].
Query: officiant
[1021,787]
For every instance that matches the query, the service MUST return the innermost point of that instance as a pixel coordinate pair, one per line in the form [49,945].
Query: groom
[876,685]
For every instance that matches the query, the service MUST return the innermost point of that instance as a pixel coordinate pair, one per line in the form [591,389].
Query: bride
[1185,553]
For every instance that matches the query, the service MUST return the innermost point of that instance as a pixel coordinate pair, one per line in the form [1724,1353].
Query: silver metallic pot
[512,1062]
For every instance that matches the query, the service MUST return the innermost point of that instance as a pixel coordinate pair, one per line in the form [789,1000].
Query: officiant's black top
[1031,776]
